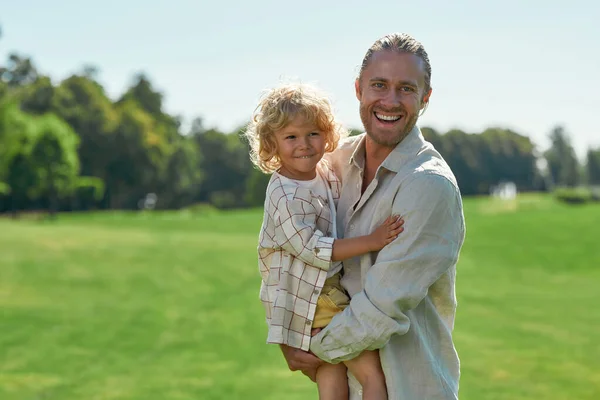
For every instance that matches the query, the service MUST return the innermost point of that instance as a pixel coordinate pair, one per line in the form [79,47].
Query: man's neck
[375,154]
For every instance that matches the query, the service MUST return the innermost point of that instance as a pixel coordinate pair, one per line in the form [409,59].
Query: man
[403,298]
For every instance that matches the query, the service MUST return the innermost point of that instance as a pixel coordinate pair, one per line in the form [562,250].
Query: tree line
[68,146]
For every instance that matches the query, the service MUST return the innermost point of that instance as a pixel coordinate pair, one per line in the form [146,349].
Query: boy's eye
[314,134]
[290,137]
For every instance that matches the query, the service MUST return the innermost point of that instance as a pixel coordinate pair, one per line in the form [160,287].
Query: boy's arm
[344,249]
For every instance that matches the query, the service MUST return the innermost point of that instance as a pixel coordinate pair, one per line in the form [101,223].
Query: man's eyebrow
[410,83]
[405,82]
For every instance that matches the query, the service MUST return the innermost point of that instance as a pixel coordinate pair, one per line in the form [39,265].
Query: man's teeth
[388,117]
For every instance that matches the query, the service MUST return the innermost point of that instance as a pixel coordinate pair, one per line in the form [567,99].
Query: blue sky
[523,65]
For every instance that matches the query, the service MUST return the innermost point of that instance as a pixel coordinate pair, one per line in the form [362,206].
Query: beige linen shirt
[295,246]
[403,297]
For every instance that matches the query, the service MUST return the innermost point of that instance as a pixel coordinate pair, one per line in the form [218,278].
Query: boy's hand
[386,233]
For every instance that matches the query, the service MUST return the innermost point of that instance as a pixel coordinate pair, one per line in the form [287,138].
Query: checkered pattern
[295,246]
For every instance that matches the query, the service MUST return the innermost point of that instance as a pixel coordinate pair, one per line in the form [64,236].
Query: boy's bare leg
[366,368]
[332,382]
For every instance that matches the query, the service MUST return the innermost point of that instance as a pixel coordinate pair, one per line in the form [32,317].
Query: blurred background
[130,211]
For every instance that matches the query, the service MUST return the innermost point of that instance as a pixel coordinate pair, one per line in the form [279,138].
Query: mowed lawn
[165,306]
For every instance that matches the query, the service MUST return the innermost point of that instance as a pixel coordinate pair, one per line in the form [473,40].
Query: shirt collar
[407,148]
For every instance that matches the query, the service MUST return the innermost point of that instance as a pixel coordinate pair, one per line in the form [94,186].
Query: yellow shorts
[333,299]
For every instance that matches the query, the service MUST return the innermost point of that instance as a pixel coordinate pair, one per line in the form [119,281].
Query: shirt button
[351,227]
[317,250]
[308,322]
[316,292]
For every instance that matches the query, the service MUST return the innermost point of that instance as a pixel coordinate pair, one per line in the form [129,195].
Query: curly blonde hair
[276,109]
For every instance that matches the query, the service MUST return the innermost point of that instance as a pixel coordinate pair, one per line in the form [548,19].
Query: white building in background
[504,190]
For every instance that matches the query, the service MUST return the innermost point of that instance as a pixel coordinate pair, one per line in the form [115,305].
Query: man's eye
[378,85]
[407,89]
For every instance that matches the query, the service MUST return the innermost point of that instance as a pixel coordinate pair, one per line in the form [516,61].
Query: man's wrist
[315,346]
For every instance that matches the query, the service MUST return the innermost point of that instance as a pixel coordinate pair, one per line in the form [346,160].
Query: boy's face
[300,146]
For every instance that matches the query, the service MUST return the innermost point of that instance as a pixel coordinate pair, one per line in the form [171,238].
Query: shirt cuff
[361,326]
[323,251]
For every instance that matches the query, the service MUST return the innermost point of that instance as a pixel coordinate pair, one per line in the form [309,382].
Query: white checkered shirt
[294,250]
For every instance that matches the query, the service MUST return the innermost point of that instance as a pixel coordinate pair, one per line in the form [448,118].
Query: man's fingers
[301,360]
[312,374]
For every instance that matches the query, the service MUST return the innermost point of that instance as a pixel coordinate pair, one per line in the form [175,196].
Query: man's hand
[300,360]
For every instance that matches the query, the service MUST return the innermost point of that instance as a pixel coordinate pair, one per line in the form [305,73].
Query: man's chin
[387,139]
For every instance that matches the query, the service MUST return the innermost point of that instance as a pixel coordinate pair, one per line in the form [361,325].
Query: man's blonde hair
[277,108]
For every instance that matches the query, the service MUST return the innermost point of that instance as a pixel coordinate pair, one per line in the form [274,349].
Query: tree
[593,166]
[54,160]
[20,71]
[16,137]
[562,161]
[225,164]
[83,104]
[38,156]
[37,98]
[508,156]
[183,177]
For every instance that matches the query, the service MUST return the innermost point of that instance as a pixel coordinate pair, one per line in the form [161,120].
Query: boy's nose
[305,143]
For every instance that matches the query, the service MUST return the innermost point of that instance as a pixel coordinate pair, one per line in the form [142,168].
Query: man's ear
[426,98]
[357,88]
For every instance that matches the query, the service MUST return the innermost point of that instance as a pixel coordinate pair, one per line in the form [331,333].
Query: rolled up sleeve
[403,271]
[295,221]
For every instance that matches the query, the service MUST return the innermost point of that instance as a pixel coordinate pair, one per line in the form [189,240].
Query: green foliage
[83,104]
[593,166]
[54,157]
[223,200]
[4,188]
[134,147]
[18,72]
[225,163]
[481,161]
[562,161]
[183,175]
[90,184]
[16,134]
[256,186]
[571,195]
[38,154]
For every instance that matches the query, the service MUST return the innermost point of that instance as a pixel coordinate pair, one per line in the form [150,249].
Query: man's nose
[392,98]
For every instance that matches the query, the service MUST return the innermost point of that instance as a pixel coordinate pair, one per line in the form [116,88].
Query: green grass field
[165,306]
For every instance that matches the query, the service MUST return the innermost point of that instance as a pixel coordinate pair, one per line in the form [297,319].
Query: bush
[574,195]
[88,192]
[223,200]
[201,208]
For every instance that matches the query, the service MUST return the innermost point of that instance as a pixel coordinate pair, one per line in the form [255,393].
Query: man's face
[391,94]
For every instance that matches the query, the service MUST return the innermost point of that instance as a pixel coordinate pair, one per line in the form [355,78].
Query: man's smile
[387,117]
